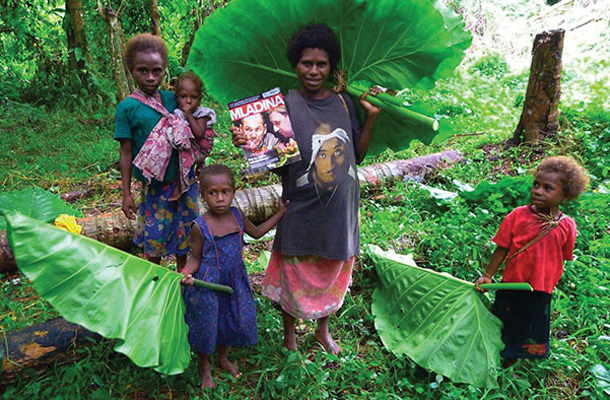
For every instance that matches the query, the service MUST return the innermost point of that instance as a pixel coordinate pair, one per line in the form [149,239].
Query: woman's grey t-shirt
[323,189]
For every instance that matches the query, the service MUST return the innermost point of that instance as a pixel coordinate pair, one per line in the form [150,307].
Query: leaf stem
[393,105]
[507,286]
[213,286]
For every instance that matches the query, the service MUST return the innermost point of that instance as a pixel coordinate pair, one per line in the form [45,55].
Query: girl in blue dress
[219,320]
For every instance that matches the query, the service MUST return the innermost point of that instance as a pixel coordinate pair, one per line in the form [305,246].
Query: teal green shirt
[135,120]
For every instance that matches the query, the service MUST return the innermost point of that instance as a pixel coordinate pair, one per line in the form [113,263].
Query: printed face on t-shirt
[330,164]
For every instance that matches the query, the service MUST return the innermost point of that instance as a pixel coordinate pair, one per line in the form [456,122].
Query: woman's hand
[371,109]
[238,136]
[481,281]
[129,207]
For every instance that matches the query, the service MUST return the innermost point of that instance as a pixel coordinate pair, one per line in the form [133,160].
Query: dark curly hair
[574,177]
[143,43]
[215,170]
[190,76]
[315,36]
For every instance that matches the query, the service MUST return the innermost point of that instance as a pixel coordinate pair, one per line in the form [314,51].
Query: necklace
[320,197]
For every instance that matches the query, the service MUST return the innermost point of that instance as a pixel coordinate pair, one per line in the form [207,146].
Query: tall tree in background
[74,24]
[115,34]
[539,118]
[155,18]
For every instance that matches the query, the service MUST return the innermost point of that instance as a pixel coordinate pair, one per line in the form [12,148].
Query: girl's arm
[194,260]
[256,231]
[197,125]
[497,258]
[125,159]
[369,122]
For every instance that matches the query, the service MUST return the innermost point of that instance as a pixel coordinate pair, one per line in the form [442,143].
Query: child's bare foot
[290,340]
[327,342]
[206,378]
[228,366]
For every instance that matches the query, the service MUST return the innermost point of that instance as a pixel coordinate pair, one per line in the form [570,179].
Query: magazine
[264,120]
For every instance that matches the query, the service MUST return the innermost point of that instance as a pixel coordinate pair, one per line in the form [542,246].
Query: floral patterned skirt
[527,322]
[308,287]
[163,227]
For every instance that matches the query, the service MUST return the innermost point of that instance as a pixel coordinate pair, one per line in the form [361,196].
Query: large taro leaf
[36,203]
[106,291]
[437,320]
[241,50]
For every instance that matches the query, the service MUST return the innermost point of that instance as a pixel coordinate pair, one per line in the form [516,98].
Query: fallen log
[258,204]
[40,346]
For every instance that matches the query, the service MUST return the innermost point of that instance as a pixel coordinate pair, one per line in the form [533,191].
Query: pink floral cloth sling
[169,133]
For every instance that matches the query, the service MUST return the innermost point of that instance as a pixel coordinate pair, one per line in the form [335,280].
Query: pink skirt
[308,287]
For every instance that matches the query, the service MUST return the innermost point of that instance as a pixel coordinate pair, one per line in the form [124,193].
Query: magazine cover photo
[264,120]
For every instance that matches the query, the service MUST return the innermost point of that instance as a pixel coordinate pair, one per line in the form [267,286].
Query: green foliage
[435,319]
[35,203]
[41,149]
[106,291]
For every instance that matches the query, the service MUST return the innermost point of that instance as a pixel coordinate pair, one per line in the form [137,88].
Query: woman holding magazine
[318,237]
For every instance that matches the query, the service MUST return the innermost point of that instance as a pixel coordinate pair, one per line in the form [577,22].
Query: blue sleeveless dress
[214,317]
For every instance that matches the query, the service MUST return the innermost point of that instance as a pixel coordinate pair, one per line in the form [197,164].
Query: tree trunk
[77,43]
[115,33]
[258,204]
[155,18]
[40,346]
[200,13]
[539,118]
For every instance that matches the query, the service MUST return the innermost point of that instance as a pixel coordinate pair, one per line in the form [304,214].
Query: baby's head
[189,89]
[212,172]
[574,179]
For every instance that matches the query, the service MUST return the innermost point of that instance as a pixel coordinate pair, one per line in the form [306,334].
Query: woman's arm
[194,260]
[125,159]
[257,231]
[497,258]
[369,122]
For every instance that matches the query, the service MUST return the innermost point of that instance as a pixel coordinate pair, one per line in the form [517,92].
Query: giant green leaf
[105,290]
[437,320]
[36,203]
[241,50]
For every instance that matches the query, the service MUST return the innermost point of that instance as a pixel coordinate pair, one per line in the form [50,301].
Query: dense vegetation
[56,134]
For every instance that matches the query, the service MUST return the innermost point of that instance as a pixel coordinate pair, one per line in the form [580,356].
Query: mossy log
[37,347]
[258,204]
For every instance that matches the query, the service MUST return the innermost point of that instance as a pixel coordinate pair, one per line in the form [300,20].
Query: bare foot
[228,366]
[327,342]
[206,378]
[290,340]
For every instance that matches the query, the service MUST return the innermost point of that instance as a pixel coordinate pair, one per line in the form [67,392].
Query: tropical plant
[435,319]
[395,44]
[107,291]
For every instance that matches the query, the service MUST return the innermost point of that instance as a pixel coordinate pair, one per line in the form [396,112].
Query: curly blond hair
[574,176]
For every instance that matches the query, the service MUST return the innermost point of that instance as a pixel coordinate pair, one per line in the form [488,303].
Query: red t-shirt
[541,265]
